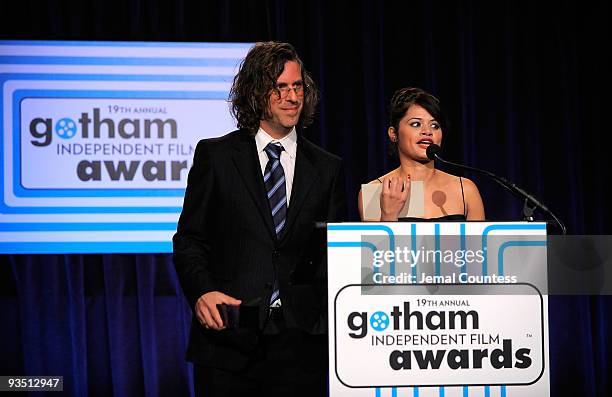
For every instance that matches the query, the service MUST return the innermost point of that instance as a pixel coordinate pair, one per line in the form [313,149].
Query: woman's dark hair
[250,92]
[402,100]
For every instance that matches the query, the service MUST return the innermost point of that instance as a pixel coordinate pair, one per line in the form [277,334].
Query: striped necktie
[274,179]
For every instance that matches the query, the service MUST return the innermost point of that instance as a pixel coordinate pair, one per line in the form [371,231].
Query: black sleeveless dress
[445,218]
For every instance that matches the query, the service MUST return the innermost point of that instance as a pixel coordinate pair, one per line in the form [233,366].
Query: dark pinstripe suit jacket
[226,242]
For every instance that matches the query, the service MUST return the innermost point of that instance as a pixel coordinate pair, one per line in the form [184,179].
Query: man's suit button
[275,254]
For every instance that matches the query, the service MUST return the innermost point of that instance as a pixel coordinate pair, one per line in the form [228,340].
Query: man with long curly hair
[247,251]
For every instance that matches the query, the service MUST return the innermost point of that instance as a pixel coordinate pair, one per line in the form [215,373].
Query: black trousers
[275,371]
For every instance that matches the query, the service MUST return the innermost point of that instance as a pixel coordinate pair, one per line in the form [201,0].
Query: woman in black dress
[416,122]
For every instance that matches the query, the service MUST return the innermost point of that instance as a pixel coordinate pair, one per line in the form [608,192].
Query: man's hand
[206,309]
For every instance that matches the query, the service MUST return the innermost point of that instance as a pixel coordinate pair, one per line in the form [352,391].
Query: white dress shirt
[287,157]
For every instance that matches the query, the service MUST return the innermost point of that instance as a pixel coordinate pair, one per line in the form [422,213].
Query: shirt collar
[289,141]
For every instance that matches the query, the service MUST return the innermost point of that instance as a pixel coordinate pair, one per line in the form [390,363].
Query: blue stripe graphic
[116,61]
[413,247]
[95,247]
[437,247]
[64,43]
[84,227]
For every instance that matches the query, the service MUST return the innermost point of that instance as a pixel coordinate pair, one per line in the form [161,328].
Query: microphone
[433,150]
[433,153]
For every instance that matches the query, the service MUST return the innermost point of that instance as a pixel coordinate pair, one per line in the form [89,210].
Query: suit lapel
[246,160]
[304,178]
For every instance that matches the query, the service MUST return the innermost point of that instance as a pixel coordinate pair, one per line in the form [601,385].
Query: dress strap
[379,180]
[462,197]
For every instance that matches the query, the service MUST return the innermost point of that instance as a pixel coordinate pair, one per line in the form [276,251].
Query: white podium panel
[438,309]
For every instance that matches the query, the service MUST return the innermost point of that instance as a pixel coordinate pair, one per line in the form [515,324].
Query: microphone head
[433,150]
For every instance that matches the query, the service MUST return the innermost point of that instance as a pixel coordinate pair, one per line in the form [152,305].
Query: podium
[438,309]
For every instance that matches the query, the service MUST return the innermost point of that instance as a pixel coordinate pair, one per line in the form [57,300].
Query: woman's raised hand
[395,192]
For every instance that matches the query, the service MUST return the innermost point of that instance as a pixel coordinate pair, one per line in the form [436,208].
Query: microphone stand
[531,203]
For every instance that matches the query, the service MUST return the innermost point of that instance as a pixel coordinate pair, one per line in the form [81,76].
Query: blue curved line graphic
[509,244]
[355,244]
[490,228]
[386,229]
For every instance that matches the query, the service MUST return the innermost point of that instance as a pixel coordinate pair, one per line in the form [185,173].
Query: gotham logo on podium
[412,338]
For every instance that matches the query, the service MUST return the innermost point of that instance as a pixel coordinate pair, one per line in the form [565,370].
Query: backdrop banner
[98,138]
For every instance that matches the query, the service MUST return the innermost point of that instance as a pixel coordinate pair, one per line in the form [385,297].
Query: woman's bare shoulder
[469,185]
[444,178]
